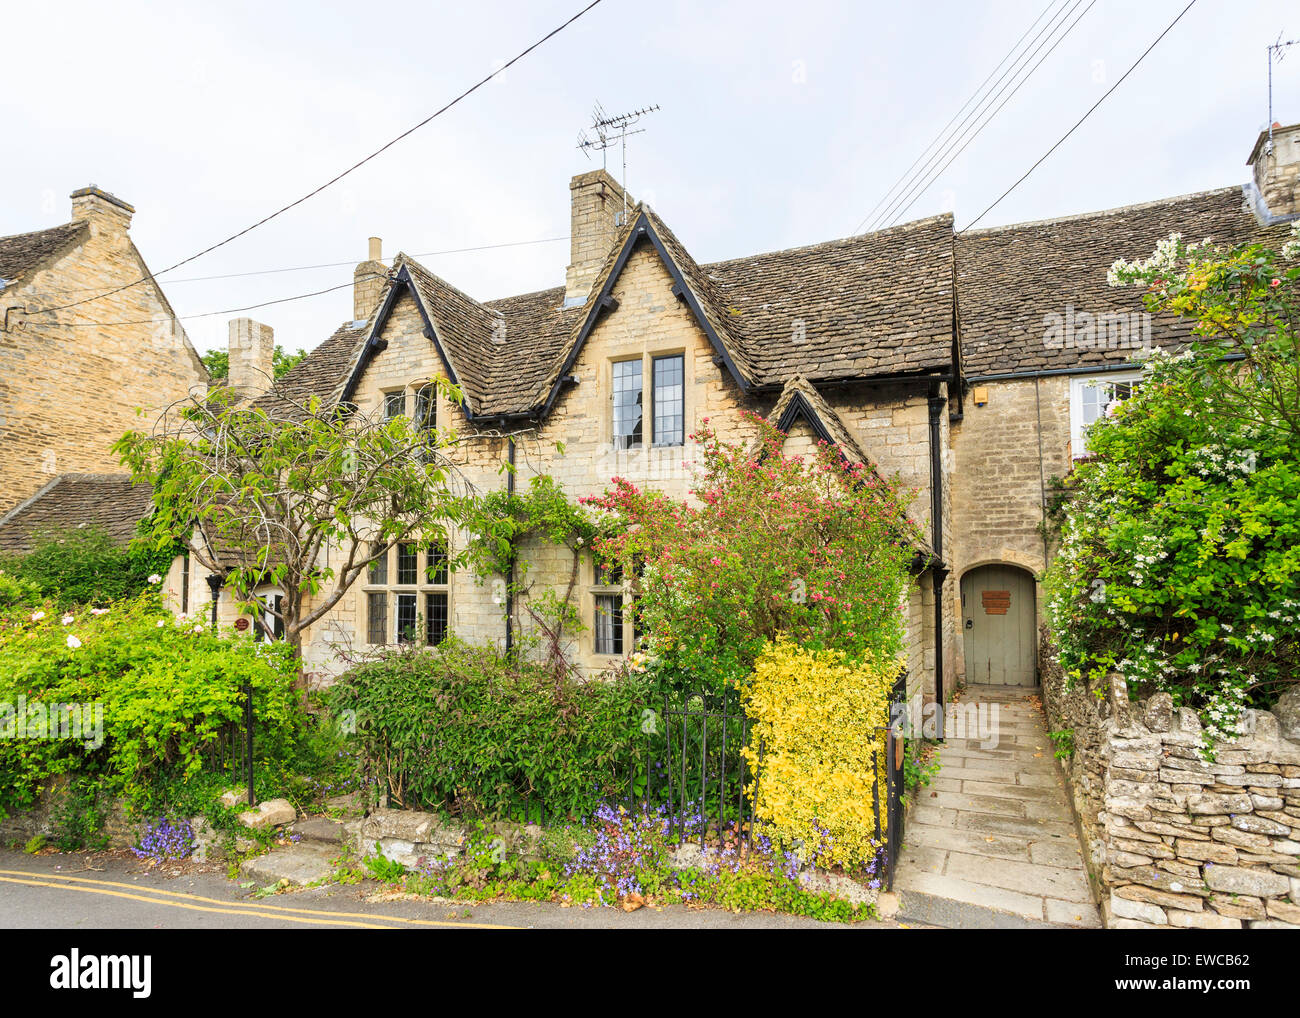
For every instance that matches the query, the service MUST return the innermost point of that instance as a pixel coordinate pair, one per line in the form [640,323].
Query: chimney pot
[376,247]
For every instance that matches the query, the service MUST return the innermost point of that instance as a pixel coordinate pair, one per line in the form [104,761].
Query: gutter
[1096,369]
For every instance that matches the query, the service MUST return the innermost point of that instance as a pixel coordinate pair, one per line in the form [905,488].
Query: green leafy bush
[469,731]
[152,693]
[80,567]
[1179,563]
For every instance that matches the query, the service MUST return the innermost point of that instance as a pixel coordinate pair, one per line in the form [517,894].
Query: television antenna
[1276,53]
[608,131]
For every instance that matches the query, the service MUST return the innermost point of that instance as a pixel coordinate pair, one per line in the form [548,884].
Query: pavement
[991,843]
[116,891]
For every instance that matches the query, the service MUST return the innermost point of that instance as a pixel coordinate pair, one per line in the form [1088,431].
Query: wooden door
[998,620]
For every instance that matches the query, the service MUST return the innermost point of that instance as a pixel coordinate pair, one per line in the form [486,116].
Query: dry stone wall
[1174,840]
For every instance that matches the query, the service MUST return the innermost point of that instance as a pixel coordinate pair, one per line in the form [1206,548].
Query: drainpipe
[510,574]
[938,570]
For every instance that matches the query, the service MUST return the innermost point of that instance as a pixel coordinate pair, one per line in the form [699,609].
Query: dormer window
[394,404]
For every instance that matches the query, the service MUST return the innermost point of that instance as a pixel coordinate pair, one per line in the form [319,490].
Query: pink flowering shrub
[813,548]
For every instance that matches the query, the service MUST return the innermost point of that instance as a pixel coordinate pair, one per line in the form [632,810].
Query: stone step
[953,914]
[321,830]
[304,863]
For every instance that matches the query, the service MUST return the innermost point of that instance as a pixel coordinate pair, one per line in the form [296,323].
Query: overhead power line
[163,319]
[339,264]
[1022,68]
[1105,96]
[335,179]
[966,138]
[939,137]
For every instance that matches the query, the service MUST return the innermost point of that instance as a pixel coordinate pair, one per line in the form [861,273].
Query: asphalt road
[111,892]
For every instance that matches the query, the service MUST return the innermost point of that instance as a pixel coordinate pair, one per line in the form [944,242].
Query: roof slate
[1009,278]
[110,502]
[872,306]
[321,373]
[23,253]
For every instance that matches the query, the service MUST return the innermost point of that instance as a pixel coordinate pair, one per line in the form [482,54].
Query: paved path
[991,842]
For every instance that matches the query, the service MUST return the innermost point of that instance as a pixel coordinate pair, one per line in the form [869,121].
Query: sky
[779,125]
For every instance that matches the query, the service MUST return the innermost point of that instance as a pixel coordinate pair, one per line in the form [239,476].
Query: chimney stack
[1274,189]
[596,207]
[252,358]
[368,282]
[105,212]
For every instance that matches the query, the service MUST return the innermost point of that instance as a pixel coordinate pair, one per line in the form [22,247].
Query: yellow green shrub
[818,719]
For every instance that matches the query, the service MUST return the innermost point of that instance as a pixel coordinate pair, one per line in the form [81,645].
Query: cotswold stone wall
[1173,840]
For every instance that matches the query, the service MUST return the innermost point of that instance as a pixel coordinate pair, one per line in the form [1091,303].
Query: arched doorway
[999,612]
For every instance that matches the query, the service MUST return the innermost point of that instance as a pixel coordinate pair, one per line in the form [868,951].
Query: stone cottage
[72,380]
[967,365]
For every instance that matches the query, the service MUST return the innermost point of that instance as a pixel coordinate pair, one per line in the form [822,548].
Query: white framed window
[1090,397]
[394,404]
[418,400]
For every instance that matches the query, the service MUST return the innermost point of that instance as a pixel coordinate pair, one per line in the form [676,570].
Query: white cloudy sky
[781,124]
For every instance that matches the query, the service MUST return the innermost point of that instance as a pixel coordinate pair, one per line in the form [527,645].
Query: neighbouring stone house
[73,377]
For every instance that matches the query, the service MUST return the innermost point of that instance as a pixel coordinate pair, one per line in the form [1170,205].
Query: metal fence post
[248,740]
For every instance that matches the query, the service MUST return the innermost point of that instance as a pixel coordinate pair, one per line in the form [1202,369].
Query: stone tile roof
[873,305]
[864,307]
[1009,278]
[537,329]
[868,306]
[321,373]
[109,502]
[23,253]
[465,328]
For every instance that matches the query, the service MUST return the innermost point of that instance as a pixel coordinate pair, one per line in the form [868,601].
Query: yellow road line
[184,905]
[234,907]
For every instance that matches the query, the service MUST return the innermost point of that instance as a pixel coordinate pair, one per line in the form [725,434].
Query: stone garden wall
[1170,839]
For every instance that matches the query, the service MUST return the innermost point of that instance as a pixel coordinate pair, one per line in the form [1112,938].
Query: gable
[456,328]
[646,233]
[397,352]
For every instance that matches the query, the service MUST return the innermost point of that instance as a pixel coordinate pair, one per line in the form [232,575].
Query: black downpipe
[937,570]
[510,574]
